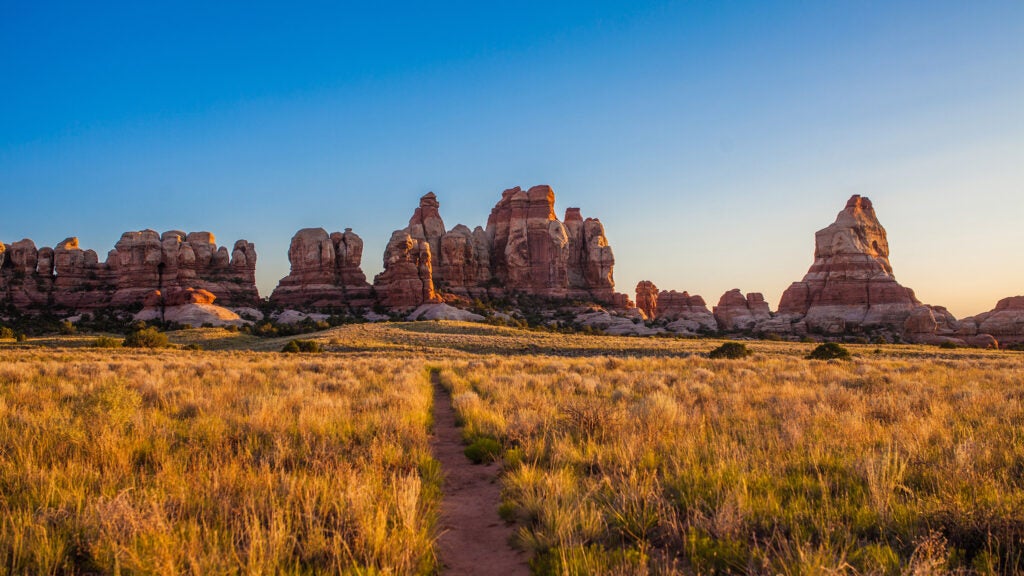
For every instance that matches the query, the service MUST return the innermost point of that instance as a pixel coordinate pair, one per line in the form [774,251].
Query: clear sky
[711,138]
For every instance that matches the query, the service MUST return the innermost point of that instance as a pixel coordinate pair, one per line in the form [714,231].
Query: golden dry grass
[774,464]
[624,455]
[177,462]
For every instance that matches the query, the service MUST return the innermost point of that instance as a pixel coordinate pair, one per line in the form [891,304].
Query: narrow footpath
[474,539]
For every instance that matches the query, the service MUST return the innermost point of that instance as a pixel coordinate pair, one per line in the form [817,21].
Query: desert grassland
[214,463]
[902,460]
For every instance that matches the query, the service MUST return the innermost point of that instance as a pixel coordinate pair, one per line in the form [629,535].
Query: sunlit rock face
[524,250]
[736,312]
[325,271]
[68,277]
[1005,322]
[851,285]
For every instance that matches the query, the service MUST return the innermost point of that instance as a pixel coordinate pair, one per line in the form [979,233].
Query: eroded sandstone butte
[325,271]
[850,286]
[140,263]
[524,250]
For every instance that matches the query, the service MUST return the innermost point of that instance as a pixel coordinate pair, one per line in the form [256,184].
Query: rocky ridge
[141,263]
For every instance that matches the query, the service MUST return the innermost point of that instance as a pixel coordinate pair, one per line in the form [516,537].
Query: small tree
[730,350]
[829,351]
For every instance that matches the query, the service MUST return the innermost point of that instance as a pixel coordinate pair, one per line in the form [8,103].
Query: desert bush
[6,333]
[106,342]
[147,337]
[829,351]
[730,350]
[311,346]
[483,450]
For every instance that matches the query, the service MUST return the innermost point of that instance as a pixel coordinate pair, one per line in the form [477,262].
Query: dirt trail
[474,540]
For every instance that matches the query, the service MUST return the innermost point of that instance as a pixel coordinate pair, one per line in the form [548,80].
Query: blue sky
[711,138]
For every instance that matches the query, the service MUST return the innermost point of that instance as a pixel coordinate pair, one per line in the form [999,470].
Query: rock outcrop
[190,306]
[738,313]
[140,263]
[1005,322]
[407,280]
[325,271]
[647,299]
[525,249]
[850,287]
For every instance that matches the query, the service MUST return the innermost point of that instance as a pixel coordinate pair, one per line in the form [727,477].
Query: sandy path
[474,540]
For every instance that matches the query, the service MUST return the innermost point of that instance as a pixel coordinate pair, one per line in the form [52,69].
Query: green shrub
[829,351]
[483,450]
[106,342]
[67,328]
[193,346]
[20,337]
[948,345]
[302,346]
[147,338]
[6,332]
[730,350]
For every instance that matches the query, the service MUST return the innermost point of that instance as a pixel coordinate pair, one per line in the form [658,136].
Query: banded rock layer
[140,263]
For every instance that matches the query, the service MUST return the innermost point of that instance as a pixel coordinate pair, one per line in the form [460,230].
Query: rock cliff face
[850,287]
[525,249]
[407,280]
[140,263]
[647,299]
[325,271]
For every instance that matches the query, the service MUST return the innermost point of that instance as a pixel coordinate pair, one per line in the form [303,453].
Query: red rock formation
[426,224]
[850,286]
[144,261]
[647,298]
[465,262]
[141,262]
[1005,322]
[529,246]
[734,312]
[532,252]
[407,279]
[325,271]
[525,249]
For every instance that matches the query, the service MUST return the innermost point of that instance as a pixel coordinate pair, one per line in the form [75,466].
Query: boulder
[443,311]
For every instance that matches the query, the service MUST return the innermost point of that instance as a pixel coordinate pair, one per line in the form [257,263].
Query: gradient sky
[711,138]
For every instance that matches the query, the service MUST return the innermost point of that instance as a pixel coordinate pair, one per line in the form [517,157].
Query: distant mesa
[141,263]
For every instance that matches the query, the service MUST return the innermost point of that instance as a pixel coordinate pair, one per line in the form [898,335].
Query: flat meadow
[620,455]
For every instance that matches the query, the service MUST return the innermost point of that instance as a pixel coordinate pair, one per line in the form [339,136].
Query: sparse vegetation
[310,346]
[730,351]
[146,337]
[829,351]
